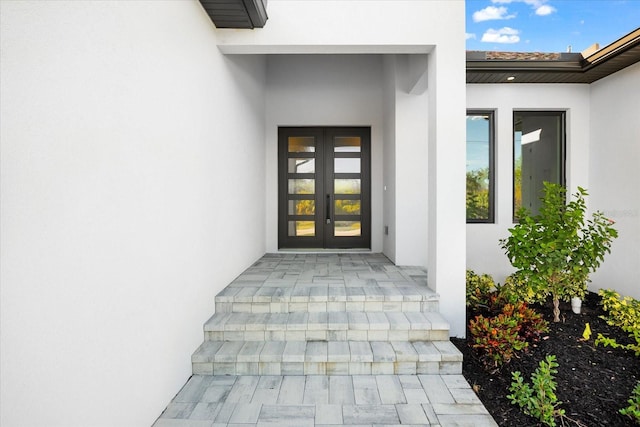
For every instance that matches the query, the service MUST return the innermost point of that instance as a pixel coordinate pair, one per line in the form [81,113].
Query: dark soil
[593,382]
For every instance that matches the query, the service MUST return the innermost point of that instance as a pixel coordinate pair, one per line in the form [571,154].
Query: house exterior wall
[613,175]
[389,158]
[389,27]
[134,179]
[323,90]
[484,254]
[132,159]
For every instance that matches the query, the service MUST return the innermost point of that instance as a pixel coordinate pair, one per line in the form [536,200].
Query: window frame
[563,150]
[492,172]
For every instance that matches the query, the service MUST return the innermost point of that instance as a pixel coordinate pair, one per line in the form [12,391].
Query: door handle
[328,218]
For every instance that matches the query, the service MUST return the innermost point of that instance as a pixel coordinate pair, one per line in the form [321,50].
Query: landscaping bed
[593,382]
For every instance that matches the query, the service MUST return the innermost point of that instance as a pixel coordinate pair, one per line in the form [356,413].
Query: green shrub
[623,313]
[555,251]
[516,289]
[479,289]
[538,399]
[633,410]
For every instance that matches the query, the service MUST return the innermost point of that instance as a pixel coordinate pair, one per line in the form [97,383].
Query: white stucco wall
[132,162]
[484,254]
[613,175]
[411,170]
[434,27]
[323,90]
[389,156]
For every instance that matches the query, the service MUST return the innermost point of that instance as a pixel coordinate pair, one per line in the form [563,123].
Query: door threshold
[323,251]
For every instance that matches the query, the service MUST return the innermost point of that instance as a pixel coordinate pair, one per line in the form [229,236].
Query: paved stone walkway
[297,288]
[319,400]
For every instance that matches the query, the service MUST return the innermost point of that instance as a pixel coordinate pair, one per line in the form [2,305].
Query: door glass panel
[302,186]
[346,165]
[347,207]
[302,144]
[302,207]
[346,186]
[347,144]
[302,228]
[302,165]
[347,228]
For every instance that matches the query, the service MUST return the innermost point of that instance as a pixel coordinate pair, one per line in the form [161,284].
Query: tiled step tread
[330,321]
[326,358]
[311,292]
[329,306]
[322,351]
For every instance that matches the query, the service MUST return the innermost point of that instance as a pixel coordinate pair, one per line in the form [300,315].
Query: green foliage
[479,289]
[478,194]
[633,410]
[538,399]
[555,251]
[498,338]
[515,289]
[623,313]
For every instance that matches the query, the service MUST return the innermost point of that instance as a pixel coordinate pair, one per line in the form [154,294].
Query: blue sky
[548,25]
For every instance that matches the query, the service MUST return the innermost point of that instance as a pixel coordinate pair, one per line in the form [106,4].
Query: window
[538,155]
[480,181]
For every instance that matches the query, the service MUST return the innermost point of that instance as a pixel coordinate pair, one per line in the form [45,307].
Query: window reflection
[302,165]
[538,156]
[347,144]
[346,165]
[302,186]
[347,228]
[479,167]
[347,207]
[302,144]
[301,228]
[346,186]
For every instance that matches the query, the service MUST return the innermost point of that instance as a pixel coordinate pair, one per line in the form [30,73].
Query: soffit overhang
[498,67]
[245,14]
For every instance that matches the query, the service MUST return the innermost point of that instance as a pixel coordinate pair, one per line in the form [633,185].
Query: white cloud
[468,36]
[503,35]
[540,6]
[491,13]
[545,10]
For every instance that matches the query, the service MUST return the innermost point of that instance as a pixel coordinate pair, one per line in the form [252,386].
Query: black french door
[324,187]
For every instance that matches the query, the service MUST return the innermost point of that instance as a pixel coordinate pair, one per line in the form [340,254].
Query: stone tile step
[326,358]
[330,306]
[282,400]
[359,291]
[331,326]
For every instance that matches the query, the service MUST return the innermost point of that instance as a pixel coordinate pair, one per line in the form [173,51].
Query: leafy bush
[532,325]
[633,410]
[479,289]
[556,250]
[623,313]
[498,338]
[515,289]
[538,399]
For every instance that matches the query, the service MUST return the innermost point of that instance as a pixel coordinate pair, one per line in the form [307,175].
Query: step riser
[328,368]
[321,307]
[327,335]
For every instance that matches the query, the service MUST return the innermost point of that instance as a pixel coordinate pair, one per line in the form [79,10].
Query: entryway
[324,188]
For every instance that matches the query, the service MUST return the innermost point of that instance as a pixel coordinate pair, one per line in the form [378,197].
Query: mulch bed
[593,382]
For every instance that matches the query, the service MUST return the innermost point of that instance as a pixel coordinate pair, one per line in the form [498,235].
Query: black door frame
[324,197]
